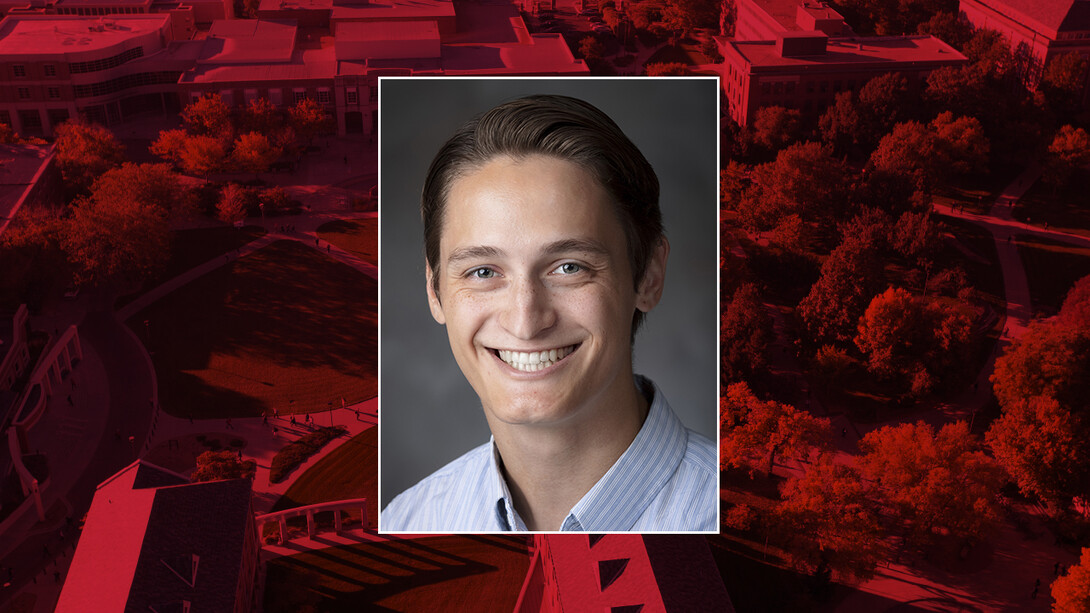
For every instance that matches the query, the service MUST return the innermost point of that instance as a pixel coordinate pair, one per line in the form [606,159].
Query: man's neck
[549,469]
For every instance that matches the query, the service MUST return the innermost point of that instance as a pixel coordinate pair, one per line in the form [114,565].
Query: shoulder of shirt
[700,453]
[437,488]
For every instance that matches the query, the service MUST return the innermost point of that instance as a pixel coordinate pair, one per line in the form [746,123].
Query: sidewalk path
[262,443]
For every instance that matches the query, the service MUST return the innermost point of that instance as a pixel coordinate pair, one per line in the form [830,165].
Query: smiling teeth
[535,360]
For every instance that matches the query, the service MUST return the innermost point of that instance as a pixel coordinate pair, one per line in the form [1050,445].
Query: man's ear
[654,277]
[433,299]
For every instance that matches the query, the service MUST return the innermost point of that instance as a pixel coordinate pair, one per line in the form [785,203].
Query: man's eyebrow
[567,245]
[473,253]
[576,244]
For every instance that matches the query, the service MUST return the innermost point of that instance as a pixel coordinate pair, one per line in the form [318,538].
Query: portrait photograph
[548,328]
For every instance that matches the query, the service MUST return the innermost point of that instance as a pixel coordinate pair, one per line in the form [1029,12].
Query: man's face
[536,290]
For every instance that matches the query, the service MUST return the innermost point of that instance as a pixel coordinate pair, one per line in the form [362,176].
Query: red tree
[755,431]
[1072,591]
[938,481]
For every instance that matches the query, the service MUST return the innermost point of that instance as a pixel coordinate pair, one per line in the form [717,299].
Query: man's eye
[568,268]
[482,273]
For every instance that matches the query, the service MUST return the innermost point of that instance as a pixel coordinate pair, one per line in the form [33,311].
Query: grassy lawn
[446,573]
[285,327]
[358,236]
[1066,211]
[1052,267]
[349,471]
[191,248]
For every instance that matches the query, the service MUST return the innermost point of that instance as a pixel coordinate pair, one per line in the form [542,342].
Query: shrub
[295,453]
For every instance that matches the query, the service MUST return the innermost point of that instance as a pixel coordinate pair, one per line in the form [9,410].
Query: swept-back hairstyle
[564,128]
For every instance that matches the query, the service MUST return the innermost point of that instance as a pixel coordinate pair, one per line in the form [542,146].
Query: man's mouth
[534,361]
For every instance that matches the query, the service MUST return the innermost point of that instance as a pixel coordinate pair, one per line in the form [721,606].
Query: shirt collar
[620,497]
[507,519]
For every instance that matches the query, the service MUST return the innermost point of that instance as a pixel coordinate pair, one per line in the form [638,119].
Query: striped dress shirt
[666,481]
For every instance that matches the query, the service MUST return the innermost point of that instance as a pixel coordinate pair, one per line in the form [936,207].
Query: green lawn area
[1052,267]
[349,471]
[198,245]
[446,573]
[1065,210]
[285,327]
[358,236]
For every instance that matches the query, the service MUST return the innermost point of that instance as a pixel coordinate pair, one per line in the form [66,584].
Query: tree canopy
[1072,591]
[84,152]
[937,480]
[829,519]
[755,431]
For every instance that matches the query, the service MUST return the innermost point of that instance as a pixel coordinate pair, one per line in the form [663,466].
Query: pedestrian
[1046,225]
[276,413]
[293,419]
[239,455]
[45,549]
[357,414]
[316,241]
[70,400]
[275,431]
[117,433]
[1008,238]
[327,247]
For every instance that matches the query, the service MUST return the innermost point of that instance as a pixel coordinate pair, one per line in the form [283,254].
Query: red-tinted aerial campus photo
[189,320]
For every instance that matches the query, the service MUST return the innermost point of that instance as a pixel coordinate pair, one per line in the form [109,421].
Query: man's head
[566,129]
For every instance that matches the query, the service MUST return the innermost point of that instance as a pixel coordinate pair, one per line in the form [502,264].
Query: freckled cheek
[469,312]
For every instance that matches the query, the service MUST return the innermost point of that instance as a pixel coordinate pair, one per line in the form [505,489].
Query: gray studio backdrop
[429,415]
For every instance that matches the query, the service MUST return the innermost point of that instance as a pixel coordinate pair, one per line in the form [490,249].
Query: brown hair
[564,128]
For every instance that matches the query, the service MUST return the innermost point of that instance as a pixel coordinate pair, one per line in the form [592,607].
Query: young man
[544,251]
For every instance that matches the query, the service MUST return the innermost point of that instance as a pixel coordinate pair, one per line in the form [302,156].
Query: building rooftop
[247,41]
[543,54]
[855,50]
[79,3]
[385,10]
[785,12]
[152,539]
[193,547]
[303,64]
[367,31]
[22,35]
[1047,16]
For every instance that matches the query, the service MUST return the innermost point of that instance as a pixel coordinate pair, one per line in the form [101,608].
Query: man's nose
[529,310]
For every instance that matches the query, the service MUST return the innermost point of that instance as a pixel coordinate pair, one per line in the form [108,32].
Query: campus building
[1038,31]
[806,70]
[53,67]
[767,19]
[153,541]
[110,68]
[622,573]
